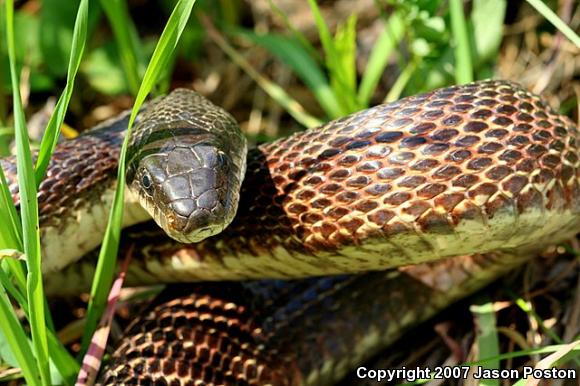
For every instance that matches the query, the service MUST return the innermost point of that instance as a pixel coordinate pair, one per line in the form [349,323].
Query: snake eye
[221,158]
[146,181]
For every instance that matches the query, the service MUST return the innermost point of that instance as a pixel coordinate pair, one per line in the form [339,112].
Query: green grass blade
[29,213]
[128,44]
[63,361]
[345,46]
[338,81]
[17,270]
[487,19]
[291,53]
[397,88]
[107,257]
[17,339]
[487,339]
[50,137]
[66,365]
[379,58]
[551,16]
[11,235]
[323,32]
[463,65]
[8,285]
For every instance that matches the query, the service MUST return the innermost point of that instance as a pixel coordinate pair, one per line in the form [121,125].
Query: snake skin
[189,202]
[288,333]
[418,167]
[467,169]
[186,162]
[485,168]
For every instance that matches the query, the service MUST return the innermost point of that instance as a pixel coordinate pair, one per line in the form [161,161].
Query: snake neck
[77,192]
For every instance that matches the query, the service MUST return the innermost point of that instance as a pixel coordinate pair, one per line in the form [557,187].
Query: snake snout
[192,220]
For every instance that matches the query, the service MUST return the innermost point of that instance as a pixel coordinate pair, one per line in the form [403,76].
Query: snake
[342,236]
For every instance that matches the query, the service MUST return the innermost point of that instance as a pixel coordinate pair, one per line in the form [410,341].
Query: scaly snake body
[486,168]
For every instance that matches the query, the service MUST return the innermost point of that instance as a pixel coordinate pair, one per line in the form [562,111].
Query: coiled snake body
[486,170]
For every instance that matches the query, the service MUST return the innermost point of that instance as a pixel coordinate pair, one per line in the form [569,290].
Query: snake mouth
[189,230]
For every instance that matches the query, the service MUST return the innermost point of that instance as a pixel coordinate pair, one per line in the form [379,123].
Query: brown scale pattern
[284,333]
[415,167]
[433,160]
[79,171]
[434,150]
[430,160]
[443,150]
[208,338]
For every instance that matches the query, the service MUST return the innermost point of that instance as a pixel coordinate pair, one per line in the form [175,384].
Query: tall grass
[108,254]
[29,222]
[20,240]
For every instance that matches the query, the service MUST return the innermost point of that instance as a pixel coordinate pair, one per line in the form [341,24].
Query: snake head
[191,190]
[186,162]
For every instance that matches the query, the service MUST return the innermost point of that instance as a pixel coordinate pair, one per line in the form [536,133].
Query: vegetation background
[278,67]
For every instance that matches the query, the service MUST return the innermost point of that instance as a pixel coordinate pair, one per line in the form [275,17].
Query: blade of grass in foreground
[545,11]
[29,214]
[107,257]
[17,340]
[50,137]
[60,357]
[63,361]
[463,65]
[340,76]
[487,340]
[394,30]
[11,236]
[128,45]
